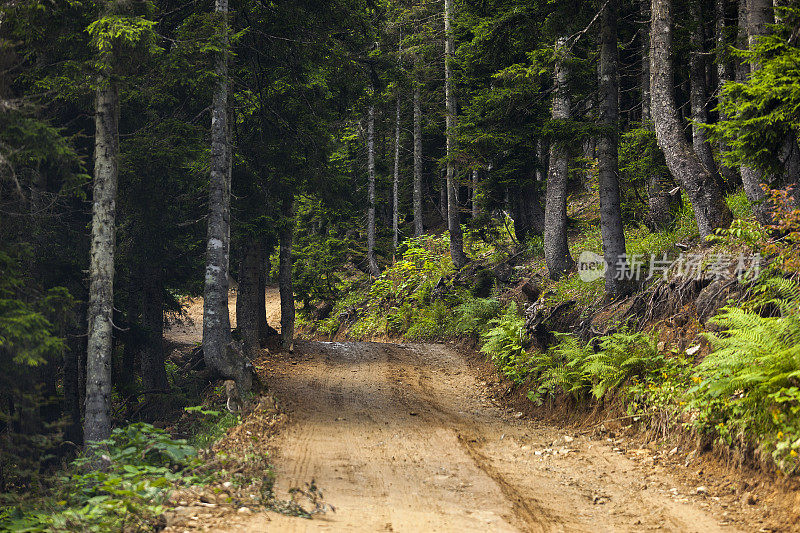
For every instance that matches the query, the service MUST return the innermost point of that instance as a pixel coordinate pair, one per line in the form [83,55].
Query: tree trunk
[608,158]
[218,351]
[285,276]
[759,15]
[697,92]
[703,190]
[372,262]
[154,374]
[418,227]
[396,180]
[527,212]
[443,198]
[542,158]
[724,73]
[247,298]
[97,423]
[453,215]
[645,78]
[556,248]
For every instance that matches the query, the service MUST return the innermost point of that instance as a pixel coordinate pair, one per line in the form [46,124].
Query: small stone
[567,438]
[748,498]
[227,484]
[703,490]
[244,510]
[518,415]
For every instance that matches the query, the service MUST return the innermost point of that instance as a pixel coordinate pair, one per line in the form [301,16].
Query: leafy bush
[121,484]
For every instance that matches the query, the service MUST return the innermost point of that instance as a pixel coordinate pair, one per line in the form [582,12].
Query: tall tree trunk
[542,158]
[97,423]
[526,211]
[418,227]
[285,265]
[556,247]
[703,190]
[453,215]
[396,180]
[247,298]
[218,351]
[645,78]
[372,262]
[443,197]
[759,15]
[154,373]
[724,74]
[608,158]
[697,91]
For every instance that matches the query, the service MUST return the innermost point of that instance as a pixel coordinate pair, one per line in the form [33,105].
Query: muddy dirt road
[400,438]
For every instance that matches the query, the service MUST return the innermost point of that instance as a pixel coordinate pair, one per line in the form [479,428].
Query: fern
[562,369]
[474,315]
[748,385]
[622,356]
[503,342]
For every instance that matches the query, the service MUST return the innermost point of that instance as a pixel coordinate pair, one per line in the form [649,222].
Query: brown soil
[410,437]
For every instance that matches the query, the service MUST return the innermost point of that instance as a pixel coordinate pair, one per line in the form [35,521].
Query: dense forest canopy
[152,150]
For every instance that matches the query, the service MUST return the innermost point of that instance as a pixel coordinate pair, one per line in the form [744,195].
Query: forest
[594,205]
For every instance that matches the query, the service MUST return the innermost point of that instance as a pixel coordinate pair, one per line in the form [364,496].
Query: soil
[411,437]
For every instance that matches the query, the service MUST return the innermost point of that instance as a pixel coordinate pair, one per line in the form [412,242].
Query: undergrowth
[120,484]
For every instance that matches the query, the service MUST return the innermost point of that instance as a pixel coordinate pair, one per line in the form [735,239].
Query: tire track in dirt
[400,438]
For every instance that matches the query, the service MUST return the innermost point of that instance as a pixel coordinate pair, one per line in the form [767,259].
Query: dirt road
[400,438]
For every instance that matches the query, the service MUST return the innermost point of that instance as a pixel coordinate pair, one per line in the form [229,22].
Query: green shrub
[140,466]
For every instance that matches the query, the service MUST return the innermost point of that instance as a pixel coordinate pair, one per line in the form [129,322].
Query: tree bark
[372,262]
[711,211]
[527,212]
[724,74]
[396,180]
[443,197]
[645,78]
[218,351]
[418,227]
[759,14]
[556,248]
[97,423]
[247,298]
[611,228]
[453,215]
[285,265]
[698,93]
